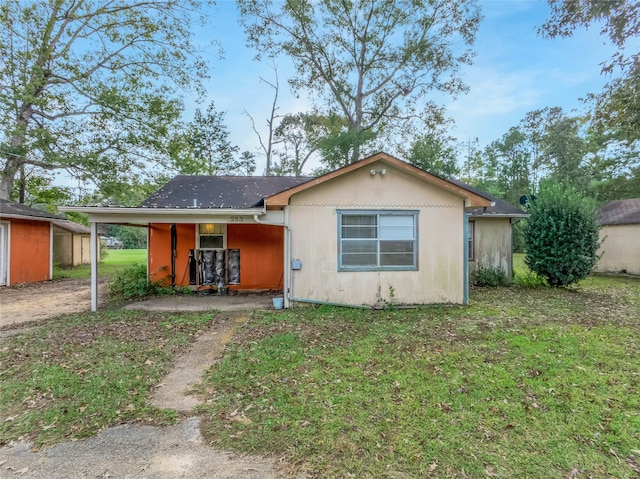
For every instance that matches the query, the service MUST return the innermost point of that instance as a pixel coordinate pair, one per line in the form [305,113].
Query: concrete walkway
[205,303]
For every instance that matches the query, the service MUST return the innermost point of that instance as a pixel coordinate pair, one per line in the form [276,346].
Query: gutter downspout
[465,247]
[94,267]
[287,252]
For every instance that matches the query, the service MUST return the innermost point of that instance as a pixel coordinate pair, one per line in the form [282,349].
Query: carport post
[95,244]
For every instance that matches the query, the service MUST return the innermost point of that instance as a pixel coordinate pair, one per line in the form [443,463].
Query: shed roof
[499,207]
[72,227]
[186,191]
[620,212]
[11,209]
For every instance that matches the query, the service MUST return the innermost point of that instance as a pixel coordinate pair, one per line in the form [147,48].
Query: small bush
[132,283]
[530,280]
[489,276]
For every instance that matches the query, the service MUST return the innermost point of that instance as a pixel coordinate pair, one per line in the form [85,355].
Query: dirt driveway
[39,301]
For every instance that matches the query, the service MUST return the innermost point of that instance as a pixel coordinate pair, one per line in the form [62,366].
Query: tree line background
[93,88]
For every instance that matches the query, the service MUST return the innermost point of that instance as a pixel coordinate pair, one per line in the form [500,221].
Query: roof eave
[111,214]
[280,200]
[27,217]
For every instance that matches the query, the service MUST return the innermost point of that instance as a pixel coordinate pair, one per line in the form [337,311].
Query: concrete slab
[204,303]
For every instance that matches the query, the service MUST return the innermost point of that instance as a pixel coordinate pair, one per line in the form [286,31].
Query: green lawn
[523,382]
[116,260]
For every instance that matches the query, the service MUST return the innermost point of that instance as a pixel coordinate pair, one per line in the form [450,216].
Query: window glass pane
[396,227]
[359,259]
[357,220]
[211,229]
[359,246]
[396,246]
[211,241]
[359,232]
[396,259]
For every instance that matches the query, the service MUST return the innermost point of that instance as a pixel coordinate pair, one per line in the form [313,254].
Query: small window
[377,240]
[471,240]
[211,236]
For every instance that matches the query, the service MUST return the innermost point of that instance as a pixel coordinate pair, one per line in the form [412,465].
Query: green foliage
[374,62]
[91,88]
[562,235]
[435,154]
[133,283]
[490,276]
[529,279]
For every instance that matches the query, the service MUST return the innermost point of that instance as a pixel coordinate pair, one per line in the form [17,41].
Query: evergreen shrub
[561,235]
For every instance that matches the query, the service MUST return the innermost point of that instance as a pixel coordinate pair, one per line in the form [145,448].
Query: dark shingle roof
[220,191]
[10,208]
[620,212]
[72,227]
[501,207]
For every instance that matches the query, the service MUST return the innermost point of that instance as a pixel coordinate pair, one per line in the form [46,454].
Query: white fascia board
[110,214]
[32,218]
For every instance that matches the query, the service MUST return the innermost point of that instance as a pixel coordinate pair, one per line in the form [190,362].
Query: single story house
[71,243]
[620,234]
[26,243]
[374,232]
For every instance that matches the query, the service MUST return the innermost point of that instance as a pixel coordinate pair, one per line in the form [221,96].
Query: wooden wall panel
[30,251]
[261,255]
[160,252]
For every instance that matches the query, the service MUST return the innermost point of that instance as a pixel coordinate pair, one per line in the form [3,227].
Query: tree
[297,135]
[561,235]
[373,60]
[213,153]
[434,153]
[617,107]
[247,163]
[88,86]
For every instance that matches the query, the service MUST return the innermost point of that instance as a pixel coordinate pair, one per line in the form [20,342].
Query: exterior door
[4,252]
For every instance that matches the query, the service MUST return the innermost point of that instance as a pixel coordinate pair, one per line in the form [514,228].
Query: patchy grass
[116,260]
[77,374]
[522,383]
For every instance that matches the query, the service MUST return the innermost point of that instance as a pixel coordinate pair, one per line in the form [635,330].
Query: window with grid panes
[377,240]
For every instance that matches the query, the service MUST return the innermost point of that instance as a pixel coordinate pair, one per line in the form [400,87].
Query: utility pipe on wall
[287,251]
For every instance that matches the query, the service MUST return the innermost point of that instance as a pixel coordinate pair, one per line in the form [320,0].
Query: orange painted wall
[261,255]
[160,252]
[30,251]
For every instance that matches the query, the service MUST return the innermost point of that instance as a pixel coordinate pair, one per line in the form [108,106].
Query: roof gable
[620,212]
[219,191]
[18,210]
[281,199]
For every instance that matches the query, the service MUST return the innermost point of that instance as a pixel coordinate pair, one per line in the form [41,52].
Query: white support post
[95,244]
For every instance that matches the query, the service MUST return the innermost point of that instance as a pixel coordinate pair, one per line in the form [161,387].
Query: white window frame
[380,237]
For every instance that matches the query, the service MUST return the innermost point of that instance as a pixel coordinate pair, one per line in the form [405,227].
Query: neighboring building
[374,232]
[620,235]
[26,243]
[490,237]
[71,244]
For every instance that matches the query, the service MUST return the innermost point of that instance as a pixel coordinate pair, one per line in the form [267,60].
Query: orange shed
[26,244]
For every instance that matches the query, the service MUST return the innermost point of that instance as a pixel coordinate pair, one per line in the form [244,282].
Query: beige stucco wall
[620,249]
[314,240]
[62,247]
[492,244]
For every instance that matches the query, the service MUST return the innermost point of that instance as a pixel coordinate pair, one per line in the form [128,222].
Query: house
[26,243]
[374,232]
[71,243]
[620,234]
[490,233]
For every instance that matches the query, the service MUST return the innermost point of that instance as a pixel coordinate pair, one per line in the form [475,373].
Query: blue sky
[514,72]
